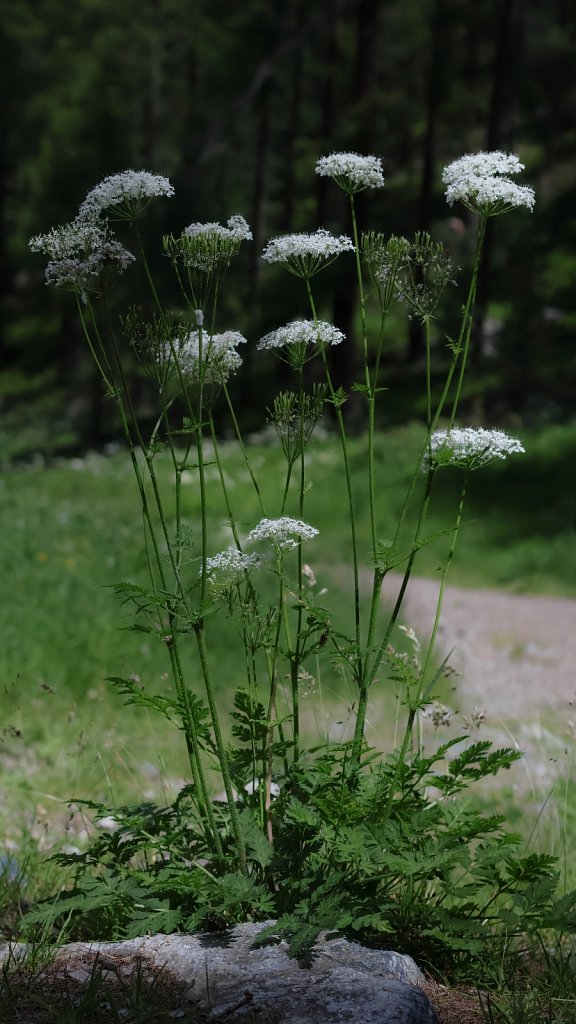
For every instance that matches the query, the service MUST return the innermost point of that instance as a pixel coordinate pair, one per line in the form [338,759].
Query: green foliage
[366,853]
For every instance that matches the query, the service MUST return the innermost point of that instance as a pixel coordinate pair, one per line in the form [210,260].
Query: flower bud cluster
[295,416]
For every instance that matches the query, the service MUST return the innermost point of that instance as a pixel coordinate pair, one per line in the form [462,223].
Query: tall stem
[193,748]
[243,448]
[416,701]
[467,319]
[220,748]
[348,477]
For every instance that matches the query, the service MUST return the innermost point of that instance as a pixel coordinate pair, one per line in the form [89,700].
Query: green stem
[348,477]
[194,755]
[231,519]
[193,746]
[273,672]
[220,748]
[468,317]
[367,683]
[416,702]
[445,571]
[243,447]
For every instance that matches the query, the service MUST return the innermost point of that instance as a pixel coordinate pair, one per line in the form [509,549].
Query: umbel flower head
[284,533]
[387,257]
[420,283]
[236,227]
[352,172]
[229,566]
[210,358]
[80,255]
[479,180]
[206,247]
[470,447]
[124,196]
[302,332]
[305,254]
[295,416]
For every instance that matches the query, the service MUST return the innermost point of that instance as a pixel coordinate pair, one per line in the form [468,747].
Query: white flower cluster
[471,447]
[305,254]
[352,172]
[302,332]
[124,193]
[219,356]
[79,252]
[479,180]
[237,229]
[230,565]
[285,533]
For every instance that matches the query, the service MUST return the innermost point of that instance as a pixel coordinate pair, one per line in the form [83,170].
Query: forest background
[235,103]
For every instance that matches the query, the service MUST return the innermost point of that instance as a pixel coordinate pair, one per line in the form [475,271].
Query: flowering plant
[270,825]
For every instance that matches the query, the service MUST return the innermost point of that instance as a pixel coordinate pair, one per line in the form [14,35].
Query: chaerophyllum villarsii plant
[342,836]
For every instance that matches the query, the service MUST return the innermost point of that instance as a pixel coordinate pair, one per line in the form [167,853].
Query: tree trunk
[497,111]
[439,49]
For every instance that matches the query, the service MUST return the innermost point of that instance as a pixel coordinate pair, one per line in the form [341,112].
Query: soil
[515,659]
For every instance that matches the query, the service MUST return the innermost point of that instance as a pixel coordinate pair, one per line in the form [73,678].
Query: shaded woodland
[235,103]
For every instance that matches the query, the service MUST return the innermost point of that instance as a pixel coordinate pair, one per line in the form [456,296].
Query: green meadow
[72,529]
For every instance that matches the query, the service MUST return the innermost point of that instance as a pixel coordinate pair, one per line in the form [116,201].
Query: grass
[72,529]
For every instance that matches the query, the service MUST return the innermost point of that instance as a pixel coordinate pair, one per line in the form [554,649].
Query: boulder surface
[340,981]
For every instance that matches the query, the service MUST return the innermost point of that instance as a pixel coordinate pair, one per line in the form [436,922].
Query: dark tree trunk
[497,114]
[345,357]
[439,47]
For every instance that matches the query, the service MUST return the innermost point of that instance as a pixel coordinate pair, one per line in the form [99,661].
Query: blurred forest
[234,102]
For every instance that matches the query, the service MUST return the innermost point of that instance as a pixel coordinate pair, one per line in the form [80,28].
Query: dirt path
[515,655]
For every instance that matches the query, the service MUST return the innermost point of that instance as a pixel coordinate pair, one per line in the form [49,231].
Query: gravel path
[515,655]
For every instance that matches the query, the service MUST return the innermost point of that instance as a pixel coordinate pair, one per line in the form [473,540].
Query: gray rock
[340,982]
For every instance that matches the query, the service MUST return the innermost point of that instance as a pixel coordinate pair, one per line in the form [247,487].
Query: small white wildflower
[307,683]
[285,533]
[253,787]
[208,247]
[474,721]
[219,356]
[438,714]
[483,165]
[199,317]
[310,575]
[352,172]
[108,824]
[305,254]
[230,565]
[471,447]
[79,254]
[237,229]
[479,181]
[125,194]
[302,332]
